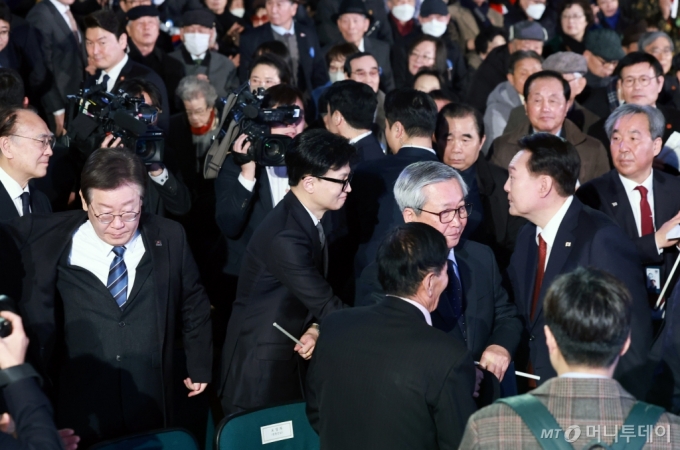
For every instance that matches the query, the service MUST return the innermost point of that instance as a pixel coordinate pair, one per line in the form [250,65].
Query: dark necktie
[26,204]
[455,295]
[324,248]
[105,82]
[118,277]
[540,271]
[646,219]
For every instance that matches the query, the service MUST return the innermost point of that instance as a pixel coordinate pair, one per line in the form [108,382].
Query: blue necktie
[455,295]
[118,278]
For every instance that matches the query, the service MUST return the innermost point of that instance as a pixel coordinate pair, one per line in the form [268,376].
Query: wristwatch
[16,373]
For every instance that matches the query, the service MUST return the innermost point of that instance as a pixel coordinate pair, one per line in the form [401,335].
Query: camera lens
[145,149]
[273,149]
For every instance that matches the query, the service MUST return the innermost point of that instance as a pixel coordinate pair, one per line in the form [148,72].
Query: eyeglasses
[660,51]
[198,112]
[344,182]
[448,215]
[572,16]
[46,141]
[643,80]
[418,56]
[611,64]
[108,218]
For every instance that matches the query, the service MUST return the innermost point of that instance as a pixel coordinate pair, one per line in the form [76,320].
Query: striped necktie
[118,277]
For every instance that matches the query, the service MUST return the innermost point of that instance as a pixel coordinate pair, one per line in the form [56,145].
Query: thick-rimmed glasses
[643,81]
[46,141]
[344,182]
[448,215]
[108,218]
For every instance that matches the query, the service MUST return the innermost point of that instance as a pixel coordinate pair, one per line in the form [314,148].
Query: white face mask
[404,12]
[196,43]
[336,76]
[536,10]
[434,28]
[238,12]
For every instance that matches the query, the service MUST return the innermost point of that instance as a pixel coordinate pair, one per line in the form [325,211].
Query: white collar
[361,46]
[201,56]
[114,72]
[13,188]
[104,248]
[418,146]
[549,233]
[360,137]
[452,257]
[582,375]
[60,6]
[426,313]
[282,31]
[314,218]
[630,185]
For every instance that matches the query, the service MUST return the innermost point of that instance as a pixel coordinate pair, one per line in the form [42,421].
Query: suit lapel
[531,260]
[302,217]
[123,74]
[158,246]
[265,189]
[662,207]
[61,23]
[470,295]
[7,207]
[620,204]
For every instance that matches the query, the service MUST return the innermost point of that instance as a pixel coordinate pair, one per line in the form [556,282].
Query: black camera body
[95,113]
[6,304]
[265,149]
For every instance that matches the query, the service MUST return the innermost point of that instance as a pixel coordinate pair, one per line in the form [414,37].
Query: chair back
[167,439]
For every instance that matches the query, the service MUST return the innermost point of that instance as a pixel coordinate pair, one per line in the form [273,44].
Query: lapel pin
[159,244]
[615,204]
[567,244]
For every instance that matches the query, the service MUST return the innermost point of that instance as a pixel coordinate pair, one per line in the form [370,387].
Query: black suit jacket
[368,149]
[382,378]
[180,298]
[586,238]
[381,51]
[281,281]
[40,204]
[490,316]
[371,208]
[312,65]
[607,194]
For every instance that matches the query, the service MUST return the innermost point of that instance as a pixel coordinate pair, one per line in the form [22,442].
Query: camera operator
[26,403]
[164,191]
[246,193]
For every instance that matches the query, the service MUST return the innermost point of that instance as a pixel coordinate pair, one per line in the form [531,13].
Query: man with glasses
[283,280]
[105,289]
[474,307]
[25,149]
[603,52]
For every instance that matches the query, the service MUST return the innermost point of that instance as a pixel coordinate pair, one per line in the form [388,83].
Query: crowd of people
[465,213]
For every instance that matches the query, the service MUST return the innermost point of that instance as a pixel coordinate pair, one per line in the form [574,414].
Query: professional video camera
[243,113]
[95,112]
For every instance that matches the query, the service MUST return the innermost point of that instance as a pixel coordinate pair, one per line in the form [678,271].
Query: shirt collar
[60,6]
[452,257]
[419,146]
[549,233]
[358,138]
[630,185]
[115,70]
[314,218]
[13,188]
[282,31]
[426,313]
[582,375]
[104,248]
[361,46]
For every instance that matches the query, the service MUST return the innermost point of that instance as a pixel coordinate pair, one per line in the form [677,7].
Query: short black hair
[315,152]
[12,90]
[344,50]
[543,74]
[633,58]
[135,87]
[441,94]
[484,38]
[455,111]
[350,58]
[553,156]
[277,48]
[104,19]
[5,13]
[282,94]
[355,101]
[275,61]
[428,71]
[407,254]
[8,119]
[521,55]
[415,110]
[589,313]
[110,168]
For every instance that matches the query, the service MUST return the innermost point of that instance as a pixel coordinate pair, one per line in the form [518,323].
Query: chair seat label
[277,432]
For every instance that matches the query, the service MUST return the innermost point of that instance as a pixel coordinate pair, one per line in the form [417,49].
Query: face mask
[196,43]
[336,76]
[434,28]
[404,13]
[238,12]
[536,10]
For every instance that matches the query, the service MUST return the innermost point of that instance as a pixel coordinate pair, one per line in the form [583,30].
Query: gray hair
[651,36]
[192,87]
[656,119]
[408,190]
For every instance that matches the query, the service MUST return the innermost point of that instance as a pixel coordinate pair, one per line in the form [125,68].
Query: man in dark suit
[383,371]
[309,68]
[588,325]
[351,107]
[643,201]
[282,279]
[25,149]
[103,294]
[565,234]
[106,46]
[474,308]
[63,47]
[371,212]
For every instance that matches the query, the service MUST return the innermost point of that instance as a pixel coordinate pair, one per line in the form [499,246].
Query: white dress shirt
[113,74]
[315,219]
[95,255]
[361,46]
[63,9]
[282,31]
[278,182]
[426,313]
[634,197]
[14,190]
[582,375]
[549,233]
[360,137]
[419,146]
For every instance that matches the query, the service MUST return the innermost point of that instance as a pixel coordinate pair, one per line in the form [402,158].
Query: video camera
[247,116]
[6,304]
[95,112]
